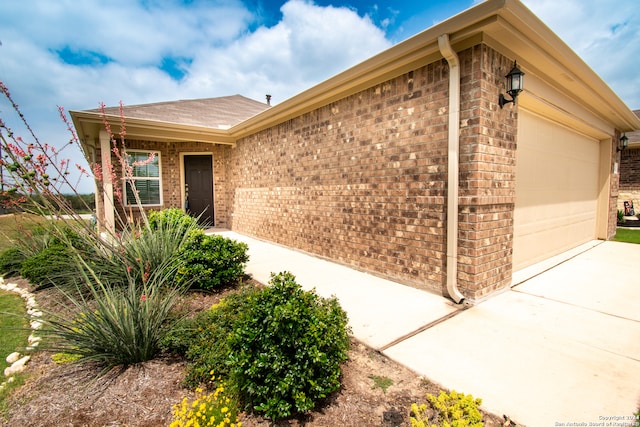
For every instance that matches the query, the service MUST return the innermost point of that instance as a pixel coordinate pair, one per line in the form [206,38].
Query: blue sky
[79,53]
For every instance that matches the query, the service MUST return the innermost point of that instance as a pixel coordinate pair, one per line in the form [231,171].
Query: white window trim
[159,178]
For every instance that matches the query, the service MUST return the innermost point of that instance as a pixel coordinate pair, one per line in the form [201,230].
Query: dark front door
[198,180]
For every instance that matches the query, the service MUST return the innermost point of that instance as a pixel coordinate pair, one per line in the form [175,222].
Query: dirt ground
[72,395]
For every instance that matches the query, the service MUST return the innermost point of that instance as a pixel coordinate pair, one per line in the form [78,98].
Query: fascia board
[150,129]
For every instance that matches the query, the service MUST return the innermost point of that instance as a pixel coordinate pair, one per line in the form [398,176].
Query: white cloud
[604,34]
[127,31]
[310,44]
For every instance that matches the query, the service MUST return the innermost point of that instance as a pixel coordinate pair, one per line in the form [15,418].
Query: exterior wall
[614,188]
[629,187]
[487,175]
[363,181]
[360,181]
[170,166]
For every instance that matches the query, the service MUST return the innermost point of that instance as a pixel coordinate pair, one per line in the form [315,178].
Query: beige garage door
[556,189]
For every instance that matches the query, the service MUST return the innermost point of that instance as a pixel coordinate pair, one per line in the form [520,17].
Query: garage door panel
[556,190]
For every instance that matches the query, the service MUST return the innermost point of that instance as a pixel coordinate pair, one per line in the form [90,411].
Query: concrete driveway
[561,347]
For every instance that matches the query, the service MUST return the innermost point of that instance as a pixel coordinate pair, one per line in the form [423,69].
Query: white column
[107,183]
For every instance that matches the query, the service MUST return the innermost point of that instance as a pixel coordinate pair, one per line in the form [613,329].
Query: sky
[76,54]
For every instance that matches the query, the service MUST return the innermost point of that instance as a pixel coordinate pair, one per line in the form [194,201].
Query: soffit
[507,26]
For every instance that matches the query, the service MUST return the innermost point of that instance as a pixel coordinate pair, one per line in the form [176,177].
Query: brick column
[487,175]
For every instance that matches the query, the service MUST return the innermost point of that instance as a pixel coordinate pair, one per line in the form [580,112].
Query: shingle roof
[217,113]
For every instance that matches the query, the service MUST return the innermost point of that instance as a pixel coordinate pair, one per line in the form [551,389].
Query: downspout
[453,181]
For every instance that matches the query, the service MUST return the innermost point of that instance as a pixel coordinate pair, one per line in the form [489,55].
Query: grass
[627,235]
[14,331]
[381,382]
[13,324]
[13,225]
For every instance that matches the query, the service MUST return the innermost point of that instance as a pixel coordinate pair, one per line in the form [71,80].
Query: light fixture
[624,142]
[515,80]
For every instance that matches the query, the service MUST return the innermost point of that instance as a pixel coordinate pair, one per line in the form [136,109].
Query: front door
[198,182]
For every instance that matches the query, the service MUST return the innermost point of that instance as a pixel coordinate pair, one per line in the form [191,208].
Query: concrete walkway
[561,347]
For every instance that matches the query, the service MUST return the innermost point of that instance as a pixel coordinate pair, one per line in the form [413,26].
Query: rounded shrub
[203,339]
[286,348]
[48,266]
[11,262]
[211,261]
[174,218]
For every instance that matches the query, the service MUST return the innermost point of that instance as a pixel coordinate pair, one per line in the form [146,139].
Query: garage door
[556,189]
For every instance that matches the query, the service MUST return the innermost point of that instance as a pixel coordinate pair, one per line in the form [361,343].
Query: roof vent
[269,100]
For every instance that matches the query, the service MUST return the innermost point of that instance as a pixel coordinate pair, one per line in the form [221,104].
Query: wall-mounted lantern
[515,80]
[624,142]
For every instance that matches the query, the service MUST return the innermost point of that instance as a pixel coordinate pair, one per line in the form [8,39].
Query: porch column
[107,183]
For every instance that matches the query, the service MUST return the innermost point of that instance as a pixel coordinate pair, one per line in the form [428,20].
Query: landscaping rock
[13,357]
[16,367]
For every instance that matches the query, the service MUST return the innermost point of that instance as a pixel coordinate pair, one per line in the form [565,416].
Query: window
[145,167]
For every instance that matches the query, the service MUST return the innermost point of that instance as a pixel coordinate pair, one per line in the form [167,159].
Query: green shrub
[174,218]
[203,340]
[286,348]
[280,347]
[51,254]
[450,410]
[620,216]
[51,234]
[34,241]
[11,262]
[49,266]
[211,261]
[115,325]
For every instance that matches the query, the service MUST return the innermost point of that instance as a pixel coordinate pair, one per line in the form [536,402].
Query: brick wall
[629,185]
[170,168]
[487,174]
[630,169]
[363,181]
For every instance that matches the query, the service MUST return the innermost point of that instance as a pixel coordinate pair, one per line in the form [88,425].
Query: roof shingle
[218,113]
